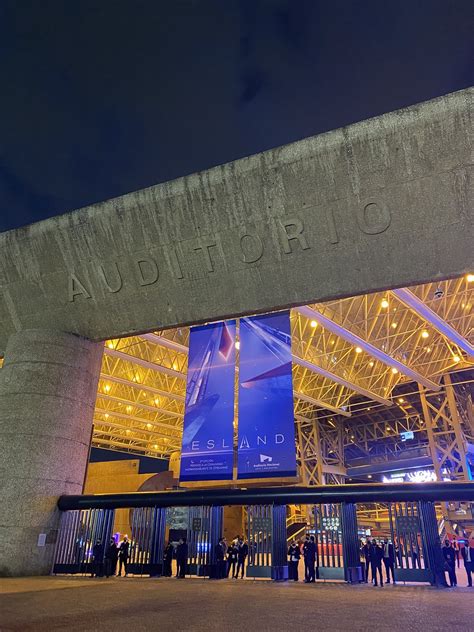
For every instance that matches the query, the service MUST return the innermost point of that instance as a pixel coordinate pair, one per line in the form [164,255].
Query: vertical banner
[207,446]
[266,445]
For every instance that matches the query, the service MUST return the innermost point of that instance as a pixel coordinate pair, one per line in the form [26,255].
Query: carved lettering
[374,218]
[333,236]
[252,252]
[175,264]
[291,230]
[117,282]
[205,245]
[147,270]
[76,288]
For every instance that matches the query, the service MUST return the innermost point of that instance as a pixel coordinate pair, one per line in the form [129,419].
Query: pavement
[135,604]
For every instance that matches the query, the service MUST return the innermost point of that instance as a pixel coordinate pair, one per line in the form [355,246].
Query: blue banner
[266,445]
[207,446]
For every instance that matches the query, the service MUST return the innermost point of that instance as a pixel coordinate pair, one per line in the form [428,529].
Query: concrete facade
[48,386]
[382,203]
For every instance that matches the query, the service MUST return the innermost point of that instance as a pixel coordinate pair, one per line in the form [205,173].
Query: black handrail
[362,493]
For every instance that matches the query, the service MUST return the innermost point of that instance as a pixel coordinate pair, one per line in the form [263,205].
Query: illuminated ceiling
[349,355]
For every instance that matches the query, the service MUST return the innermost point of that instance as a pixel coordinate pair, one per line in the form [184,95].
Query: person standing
[123,553]
[449,555]
[168,559]
[232,554]
[309,553]
[220,558]
[111,555]
[242,552]
[389,560]
[182,558]
[365,550]
[457,552]
[98,559]
[467,553]
[375,556]
[294,555]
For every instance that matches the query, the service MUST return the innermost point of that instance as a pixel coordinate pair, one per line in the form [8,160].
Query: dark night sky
[103,97]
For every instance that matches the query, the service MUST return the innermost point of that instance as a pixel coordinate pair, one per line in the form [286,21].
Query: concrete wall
[382,203]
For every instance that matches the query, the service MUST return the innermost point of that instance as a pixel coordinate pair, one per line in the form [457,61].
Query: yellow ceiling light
[149,426]
[157,401]
[394,370]
[424,334]
[470,278]
[371,363]
[106,415]
[110,344]
[456,358]
[394,325]
[129,409]
[107,388]
[313,324]
[384,303]
[237,345]
[358,350]
[155,446]
[400,400]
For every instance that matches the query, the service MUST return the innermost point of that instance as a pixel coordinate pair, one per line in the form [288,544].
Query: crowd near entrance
[314,542]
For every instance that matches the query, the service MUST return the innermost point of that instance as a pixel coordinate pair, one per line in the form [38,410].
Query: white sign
[42,539]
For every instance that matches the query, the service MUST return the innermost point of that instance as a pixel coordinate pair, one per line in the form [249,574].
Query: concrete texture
[234,605]
[382,203]
[48,386]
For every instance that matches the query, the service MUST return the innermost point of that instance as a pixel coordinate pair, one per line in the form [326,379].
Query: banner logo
[266,446]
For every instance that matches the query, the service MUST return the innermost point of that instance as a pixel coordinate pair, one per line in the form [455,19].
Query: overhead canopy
[382,203]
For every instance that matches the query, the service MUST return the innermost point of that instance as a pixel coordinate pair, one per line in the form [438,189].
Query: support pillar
[48,387]
[351,543]
[279,543]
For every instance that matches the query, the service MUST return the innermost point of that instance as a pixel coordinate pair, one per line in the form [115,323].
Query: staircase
[295,528]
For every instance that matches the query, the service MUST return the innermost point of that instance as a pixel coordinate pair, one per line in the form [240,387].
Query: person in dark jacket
[98,559]
[242,552]
[467,553]
[449,555]
[365,550]
[220,551]
[294,556]
[389,560]
[168,559]
[309,553]
[182,558]
[123,553]
[232,556]
[375,557]
[111,556]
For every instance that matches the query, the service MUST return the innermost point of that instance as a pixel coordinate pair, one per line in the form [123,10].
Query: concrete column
[48,387]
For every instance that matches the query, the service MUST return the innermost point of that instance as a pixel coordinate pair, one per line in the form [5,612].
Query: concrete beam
[379,204]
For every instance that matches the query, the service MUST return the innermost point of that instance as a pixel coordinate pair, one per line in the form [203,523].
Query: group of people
[231,558]
[308,551]
[375,554]
[180,553]
[105,562]
[451,554]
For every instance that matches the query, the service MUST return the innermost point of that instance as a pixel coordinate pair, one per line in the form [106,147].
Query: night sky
[99,98]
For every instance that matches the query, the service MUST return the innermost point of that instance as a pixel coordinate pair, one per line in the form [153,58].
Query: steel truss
[447,433]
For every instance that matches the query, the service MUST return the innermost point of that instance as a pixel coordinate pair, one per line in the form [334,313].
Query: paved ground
[133,604]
